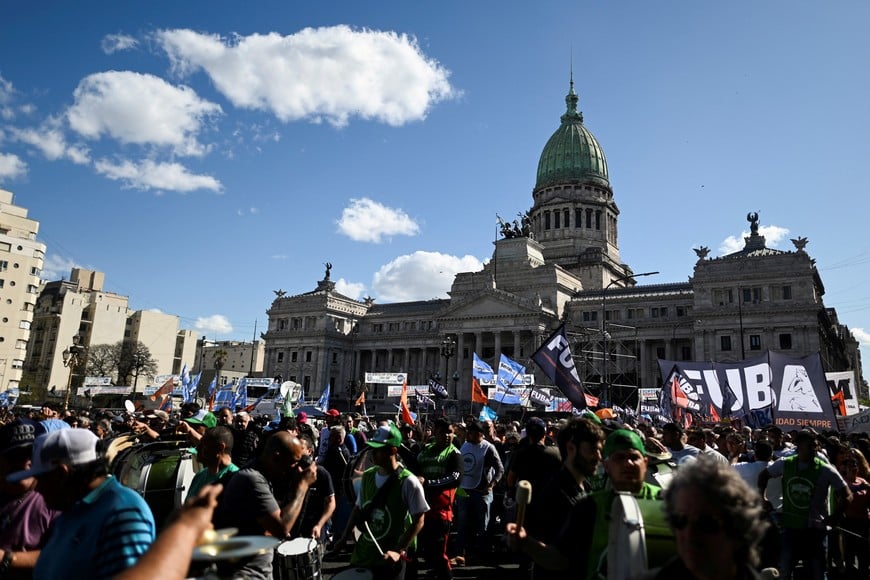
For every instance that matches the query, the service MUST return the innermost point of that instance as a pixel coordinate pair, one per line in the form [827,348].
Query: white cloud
[420,276]
[113,43]
[215,324]
[350,289]
[56,268]
[11,167]
[862,336]
[366,220]
[140,109]
[773,236]
[149,174]
[330,73]
[49,139]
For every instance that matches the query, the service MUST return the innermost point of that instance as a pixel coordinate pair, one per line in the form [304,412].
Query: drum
[626,545]
[353,574]
[298,559]
[161,472]
[639,535]
[354,470]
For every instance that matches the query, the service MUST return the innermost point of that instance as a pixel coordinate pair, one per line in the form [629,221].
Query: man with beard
[580,548]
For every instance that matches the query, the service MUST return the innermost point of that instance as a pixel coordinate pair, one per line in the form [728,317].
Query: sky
[204,154]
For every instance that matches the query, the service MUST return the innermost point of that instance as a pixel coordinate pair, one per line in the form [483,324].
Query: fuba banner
[793,389]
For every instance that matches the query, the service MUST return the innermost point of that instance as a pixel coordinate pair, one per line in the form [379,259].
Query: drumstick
[372,536]
[524,497]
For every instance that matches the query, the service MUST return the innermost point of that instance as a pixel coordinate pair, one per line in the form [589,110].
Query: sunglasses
[705,524]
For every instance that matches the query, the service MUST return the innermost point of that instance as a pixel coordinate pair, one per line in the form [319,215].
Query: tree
[103,361]
[134,360]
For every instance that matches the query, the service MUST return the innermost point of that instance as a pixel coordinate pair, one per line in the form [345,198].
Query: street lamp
[605,336]
[72,357]
[448,349]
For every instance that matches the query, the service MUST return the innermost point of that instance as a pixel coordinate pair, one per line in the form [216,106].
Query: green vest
[798,487]
[387,523]
[596,564]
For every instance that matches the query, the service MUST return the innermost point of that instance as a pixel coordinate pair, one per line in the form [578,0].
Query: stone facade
[563,265]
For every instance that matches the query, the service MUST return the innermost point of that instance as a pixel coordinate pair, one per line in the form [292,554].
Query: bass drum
[161,472]
[354,470]
[639,537]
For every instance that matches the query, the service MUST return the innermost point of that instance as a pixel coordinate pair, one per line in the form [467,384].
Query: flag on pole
[323,402]
[480,371]
[212,392]
[437,389]
[185,377]
[240,399]
[361,400]
[555,360]
[165,389]
[193,385]
[287,405]
[423,400]
[487,414]
[403,405]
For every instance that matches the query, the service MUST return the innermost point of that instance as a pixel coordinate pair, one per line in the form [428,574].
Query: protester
[440,465]
[697,437]
[104,528]
[319,503]
[390,508]
[579,549]
[534,460]
[214,453]
[674,438]
[249,503]
[482,470]
[335,462]
[332,418]
[856,518]
[352,429]
[246,438]
[24,514]
[806,482]
[717,522]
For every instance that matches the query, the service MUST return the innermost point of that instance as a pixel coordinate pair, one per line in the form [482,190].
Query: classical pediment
[491,304]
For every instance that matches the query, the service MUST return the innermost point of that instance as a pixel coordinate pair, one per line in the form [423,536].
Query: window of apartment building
[294,356]
[21,344]
[2,282]
[308,354]
[682,311]
[31,289]
[17,363]
[34,271]
[659,312]
[723,296]
[752,295]
[786,292]
[754,342]
[394,326]
[5,247]
[590,315]
[785,341]
[378,327]
[725,343]
[557,219]
[4,265]
[24,325]
[280,356]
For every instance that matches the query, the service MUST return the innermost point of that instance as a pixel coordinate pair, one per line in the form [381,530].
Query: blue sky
[205,153]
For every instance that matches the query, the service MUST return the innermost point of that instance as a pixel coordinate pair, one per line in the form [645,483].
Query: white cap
[62,447]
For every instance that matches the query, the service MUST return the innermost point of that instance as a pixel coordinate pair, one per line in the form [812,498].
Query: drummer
[579,546]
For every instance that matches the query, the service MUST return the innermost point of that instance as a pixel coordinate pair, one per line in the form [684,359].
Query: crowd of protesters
[408,500]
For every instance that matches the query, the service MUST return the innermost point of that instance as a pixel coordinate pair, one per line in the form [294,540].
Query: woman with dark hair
[717,521]
[856,518]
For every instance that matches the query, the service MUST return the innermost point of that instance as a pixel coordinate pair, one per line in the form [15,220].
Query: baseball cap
[535,427]
[385,436]
[301,417]
[333,413]
[622,440]
[18,434]
[203,417]
[61,447]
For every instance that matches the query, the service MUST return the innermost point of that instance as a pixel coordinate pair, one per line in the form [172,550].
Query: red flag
[477,394]
[714,416]
[166,389]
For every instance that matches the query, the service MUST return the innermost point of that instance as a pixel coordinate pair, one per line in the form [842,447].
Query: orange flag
[477,394]
[403,405]
[164,390]
[361,400]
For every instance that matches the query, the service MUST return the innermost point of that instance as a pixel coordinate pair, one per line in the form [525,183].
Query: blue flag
[487,414]
[323,402]
[510,373]
[190,395]
[555,360]
[240,399]
[481,371]
[225,395]
[423,401]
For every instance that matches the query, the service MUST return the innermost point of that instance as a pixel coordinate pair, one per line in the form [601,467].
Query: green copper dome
[572,153]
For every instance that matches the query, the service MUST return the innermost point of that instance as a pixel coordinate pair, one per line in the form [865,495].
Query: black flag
[554,358]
